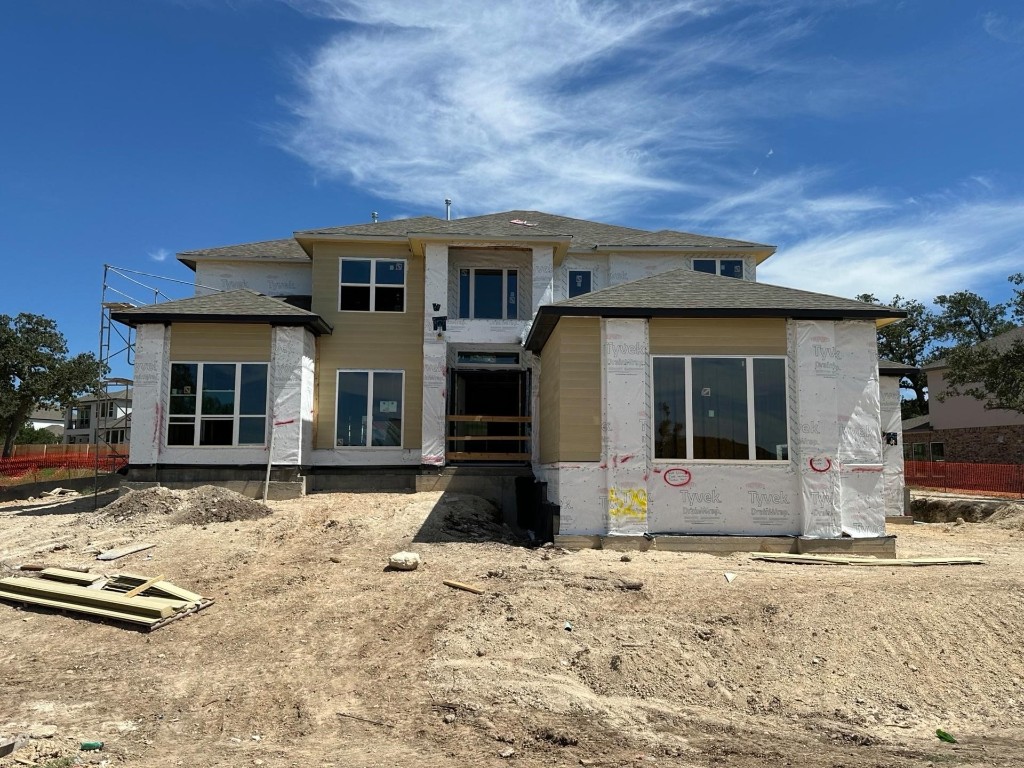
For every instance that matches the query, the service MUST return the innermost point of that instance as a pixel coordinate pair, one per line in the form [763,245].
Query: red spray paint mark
[677,477]
[828,465]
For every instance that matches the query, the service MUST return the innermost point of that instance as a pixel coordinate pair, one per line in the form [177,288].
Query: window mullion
[504,294]
[751,445]
[472,293]
[368,439]
[688,396]
[237,404]
[198,418]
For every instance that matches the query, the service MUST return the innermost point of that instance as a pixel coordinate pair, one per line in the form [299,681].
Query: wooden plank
[72,593]
[865,561]
[495,419]
[71,577]
[90,610]
[125,581]
[143,586]
[131,549]
[470,456]
[463,587]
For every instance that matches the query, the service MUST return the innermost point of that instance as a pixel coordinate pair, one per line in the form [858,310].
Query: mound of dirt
[194,506]
[1009,516]
[941,510]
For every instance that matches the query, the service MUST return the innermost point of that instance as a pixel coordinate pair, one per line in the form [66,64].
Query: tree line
[953,332]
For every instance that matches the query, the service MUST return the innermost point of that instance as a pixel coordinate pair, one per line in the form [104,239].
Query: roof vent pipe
[447,209]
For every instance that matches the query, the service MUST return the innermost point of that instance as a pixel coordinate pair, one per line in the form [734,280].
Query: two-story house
[645,376]
[100,418]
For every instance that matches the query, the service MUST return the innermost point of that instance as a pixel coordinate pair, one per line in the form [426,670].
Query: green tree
[908,341]
[29,435]
[36,372]
[967,318]
[993,371]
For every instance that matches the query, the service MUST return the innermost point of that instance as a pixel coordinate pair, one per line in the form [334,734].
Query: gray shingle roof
[918,422]
[585,234]
[240,306]
[892,368]
[685,293]
[286,249]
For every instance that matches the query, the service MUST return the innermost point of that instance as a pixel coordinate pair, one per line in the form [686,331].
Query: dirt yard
[315,655]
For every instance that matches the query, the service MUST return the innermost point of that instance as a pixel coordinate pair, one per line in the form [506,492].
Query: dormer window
[723,267]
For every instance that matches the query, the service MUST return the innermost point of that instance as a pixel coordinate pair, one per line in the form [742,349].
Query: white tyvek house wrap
[290,415]
[521,262]
[625,363]
[737,499]
[149,395]
[860,430]
[435,355]
[308,396]
[269,279]
[814,428]
[542,288]
[892,455]
[596,265]
[581,492]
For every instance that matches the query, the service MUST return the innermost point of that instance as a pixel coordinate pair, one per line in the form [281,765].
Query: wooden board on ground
[131,549]
[71,577]
[864,561]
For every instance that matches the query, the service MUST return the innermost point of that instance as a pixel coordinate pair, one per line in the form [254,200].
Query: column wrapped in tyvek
[435,354]
[626,423]
[286,371]
[814,430]
[308,407]
[150,393]
[858,410]
[542,283]
[892,445]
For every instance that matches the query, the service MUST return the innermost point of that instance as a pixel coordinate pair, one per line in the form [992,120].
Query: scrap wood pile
[151,603]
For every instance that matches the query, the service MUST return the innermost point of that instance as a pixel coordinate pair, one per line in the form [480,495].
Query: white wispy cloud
[914,251]
[584,108]
[160,254]
[1003,28]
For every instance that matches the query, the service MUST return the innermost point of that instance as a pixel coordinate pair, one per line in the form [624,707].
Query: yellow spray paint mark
[629,503]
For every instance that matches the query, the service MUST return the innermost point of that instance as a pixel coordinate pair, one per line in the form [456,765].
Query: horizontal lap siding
[550,361]
[220,342]
[579,389]
[368,340]
[726,336]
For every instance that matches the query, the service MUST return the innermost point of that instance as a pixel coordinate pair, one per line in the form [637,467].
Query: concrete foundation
[882,546]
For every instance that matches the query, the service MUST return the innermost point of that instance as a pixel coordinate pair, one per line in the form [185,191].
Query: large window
[369,409]
[726,408]
[217,404]
[723,267]
[372,285]
[488,294]
[80,417]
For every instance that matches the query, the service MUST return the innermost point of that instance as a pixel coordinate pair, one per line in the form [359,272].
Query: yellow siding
[550,405]
[570,376]
[726,336]
[220,342]
[368,340]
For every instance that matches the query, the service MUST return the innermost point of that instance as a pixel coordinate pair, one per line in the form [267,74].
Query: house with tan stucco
[647,379]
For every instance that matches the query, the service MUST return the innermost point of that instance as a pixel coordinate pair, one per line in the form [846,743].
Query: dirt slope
[556,664]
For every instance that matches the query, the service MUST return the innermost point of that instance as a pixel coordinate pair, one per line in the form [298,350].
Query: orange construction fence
[1002,479]
[29,459]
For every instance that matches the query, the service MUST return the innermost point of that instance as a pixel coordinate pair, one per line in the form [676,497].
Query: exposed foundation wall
[367,341]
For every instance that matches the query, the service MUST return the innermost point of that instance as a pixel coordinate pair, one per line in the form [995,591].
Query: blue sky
[878,144]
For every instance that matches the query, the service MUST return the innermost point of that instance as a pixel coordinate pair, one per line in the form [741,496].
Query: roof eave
[316,324]
[760,252]
[548,315]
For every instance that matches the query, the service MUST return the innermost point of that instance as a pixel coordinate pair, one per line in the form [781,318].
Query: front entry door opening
[489,416]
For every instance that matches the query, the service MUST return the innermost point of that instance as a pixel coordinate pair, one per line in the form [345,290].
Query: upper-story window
[723,267]
[372,285]
[488,294]
[80,417]
[580,282]
[107,410]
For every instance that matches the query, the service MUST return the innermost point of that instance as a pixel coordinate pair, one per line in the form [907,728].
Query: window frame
[369,410]
[718,265]
[372,285]
[568,282]
[751,412]
[198,416]
[504,293]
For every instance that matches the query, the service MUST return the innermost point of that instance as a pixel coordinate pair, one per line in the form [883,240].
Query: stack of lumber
[151,603]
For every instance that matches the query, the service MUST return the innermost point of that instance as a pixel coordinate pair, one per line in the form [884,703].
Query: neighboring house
[104,418]
[644,376]
[960,428]
[52,421]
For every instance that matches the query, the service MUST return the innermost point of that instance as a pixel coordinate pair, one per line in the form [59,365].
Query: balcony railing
[489,438]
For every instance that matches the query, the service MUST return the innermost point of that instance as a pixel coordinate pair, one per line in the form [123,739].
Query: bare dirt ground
[554,665]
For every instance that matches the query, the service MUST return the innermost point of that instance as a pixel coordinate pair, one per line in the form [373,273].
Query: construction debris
[150,602]
[862,560]
[131,549]
[464,587]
